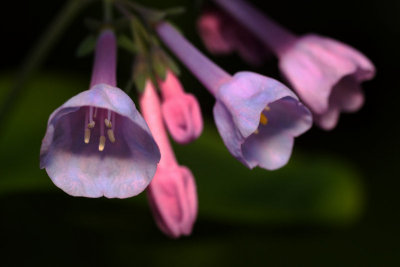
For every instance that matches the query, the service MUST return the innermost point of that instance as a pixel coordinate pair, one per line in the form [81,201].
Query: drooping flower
[324,72]
[223,35]
[97,143]
[172,193]
[180,110]
[327,76]
[257,117]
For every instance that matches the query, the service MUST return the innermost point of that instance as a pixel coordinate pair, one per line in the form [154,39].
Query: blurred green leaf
[312,188]
[86,46]
[126,43]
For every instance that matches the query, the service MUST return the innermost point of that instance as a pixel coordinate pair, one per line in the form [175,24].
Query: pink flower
[172,193]
[256,116]
[327,76]
[97,143]
[325,73]
[212,29]
[181,111]
[222,35]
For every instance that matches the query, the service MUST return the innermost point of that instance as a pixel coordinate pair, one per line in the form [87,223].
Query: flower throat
[102,118]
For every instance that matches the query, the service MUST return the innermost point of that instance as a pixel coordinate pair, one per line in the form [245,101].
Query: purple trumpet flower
[97,143]
[324,72]
[256,116]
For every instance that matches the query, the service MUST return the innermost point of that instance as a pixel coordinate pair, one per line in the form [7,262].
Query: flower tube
[256,116]
[324,72]
[97,143]
[172,193]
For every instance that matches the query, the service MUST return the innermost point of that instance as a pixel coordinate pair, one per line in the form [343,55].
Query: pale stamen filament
[109,121]
[91,121]
[109,115]
[87,130]
[102,141]
[110,126]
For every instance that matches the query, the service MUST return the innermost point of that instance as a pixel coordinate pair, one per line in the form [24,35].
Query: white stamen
[111,136]
[102,143]
[87,136]
[108,123]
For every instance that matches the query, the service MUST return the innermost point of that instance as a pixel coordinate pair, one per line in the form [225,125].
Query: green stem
[107,11]
[139,35]
[40,51]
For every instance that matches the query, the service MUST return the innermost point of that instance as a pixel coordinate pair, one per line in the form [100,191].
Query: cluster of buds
[98,144]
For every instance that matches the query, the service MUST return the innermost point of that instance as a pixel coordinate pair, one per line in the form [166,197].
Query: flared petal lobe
[173,200]
[327,75]
[258,118]
[180,110]
[125,164]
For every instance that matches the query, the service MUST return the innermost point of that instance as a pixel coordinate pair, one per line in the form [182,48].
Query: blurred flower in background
[324,72]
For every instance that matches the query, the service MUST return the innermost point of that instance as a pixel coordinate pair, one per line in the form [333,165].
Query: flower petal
[123,169]
[314,65]
[272,146]
[173,199]
[183,118]
[246,95]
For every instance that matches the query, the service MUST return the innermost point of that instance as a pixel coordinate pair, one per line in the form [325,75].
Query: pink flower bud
[180,110]
[172,193]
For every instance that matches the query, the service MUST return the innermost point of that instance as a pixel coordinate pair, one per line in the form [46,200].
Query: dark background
[297,216]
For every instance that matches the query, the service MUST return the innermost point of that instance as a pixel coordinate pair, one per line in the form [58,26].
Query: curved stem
[107,6]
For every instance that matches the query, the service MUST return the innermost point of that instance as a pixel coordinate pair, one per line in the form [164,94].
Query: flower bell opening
[263,119]
[102,118]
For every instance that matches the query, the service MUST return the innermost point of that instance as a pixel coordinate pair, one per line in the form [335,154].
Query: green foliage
[126,43]
[86,46]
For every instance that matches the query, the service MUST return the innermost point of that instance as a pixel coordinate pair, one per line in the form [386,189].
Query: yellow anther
[107,122]
[111,135]
[87,136]
[102,143]
[91,124]
[256,131]
[263,119]
[267,108]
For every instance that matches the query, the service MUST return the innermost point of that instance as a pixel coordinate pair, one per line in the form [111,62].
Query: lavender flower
[97,144]
[257,117]
[324,72]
